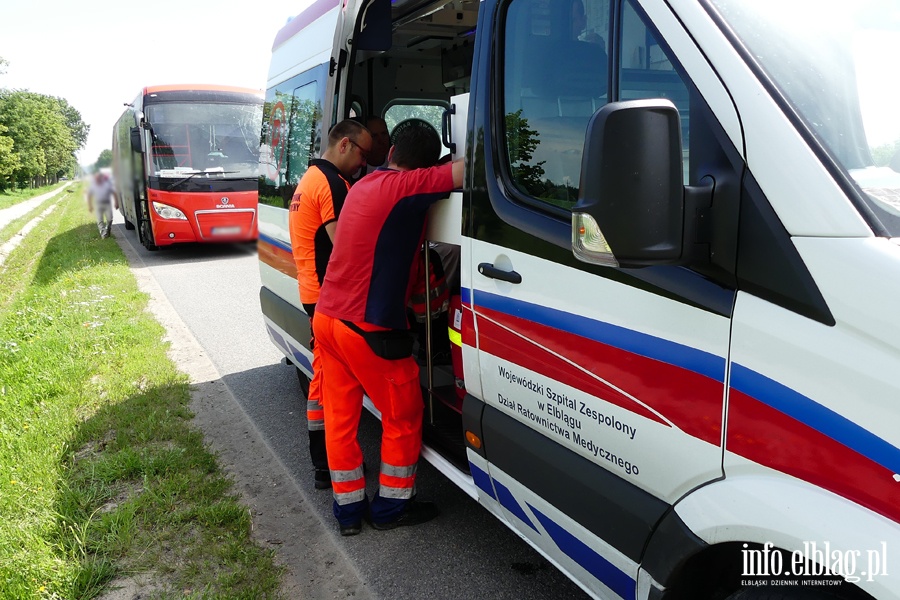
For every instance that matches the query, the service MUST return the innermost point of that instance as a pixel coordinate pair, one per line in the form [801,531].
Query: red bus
[185,164]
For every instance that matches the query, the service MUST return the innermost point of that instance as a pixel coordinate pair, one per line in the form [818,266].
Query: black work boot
[353,529]
[415,513]
[319,459]
[322,479]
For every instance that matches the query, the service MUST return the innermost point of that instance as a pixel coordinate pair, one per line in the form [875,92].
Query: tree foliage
[9,161]
[522,142]
[39,136]
[104,160]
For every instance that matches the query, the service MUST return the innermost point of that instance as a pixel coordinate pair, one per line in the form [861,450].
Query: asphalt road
[464,553]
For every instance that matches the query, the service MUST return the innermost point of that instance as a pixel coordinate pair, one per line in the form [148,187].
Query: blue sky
[97,54]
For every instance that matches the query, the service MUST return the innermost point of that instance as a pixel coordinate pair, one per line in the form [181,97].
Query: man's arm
[458,167]
[330,229]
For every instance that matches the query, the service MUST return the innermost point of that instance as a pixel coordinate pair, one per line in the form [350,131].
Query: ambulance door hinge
[340,63]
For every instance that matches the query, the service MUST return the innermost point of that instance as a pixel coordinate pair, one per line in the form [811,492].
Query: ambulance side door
[604,388]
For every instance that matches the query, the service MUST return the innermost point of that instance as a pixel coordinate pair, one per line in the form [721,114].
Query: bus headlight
[168,212]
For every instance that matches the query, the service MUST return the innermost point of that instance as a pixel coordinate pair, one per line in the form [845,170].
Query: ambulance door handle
[489,270]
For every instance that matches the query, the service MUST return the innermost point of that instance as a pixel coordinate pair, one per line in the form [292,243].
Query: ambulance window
[400,111]
[305,114]
[555,65]
[645,71]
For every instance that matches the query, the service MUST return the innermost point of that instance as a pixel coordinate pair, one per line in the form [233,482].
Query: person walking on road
[102,197]
[363,336]
[312,220]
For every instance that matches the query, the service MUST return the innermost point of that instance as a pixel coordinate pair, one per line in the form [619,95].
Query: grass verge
[13,227]
[11,197]
[101,475]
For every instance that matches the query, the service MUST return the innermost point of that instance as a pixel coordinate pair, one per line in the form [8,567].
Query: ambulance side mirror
[630,210]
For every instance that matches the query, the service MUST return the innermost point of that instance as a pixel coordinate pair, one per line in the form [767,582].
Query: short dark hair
[416,144]
[348,128]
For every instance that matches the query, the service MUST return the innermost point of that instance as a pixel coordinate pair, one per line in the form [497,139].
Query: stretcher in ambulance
[673,351]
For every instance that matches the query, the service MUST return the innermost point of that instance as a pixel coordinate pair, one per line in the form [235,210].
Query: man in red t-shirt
[361,309]
[312,220]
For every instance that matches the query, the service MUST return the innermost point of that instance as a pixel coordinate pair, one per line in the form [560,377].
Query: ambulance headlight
[168,212]
[588,242]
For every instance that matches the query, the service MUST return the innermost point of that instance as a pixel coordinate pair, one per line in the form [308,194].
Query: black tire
[145,230]
[304,382]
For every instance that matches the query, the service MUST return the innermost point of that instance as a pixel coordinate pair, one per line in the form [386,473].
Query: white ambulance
[676,331]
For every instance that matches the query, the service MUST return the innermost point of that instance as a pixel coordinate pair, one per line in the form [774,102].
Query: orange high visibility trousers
[348,367]
[315,415]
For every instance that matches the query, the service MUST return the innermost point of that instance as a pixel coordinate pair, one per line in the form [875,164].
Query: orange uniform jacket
[317,201]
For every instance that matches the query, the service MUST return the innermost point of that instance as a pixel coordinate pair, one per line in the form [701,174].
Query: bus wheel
[147,236]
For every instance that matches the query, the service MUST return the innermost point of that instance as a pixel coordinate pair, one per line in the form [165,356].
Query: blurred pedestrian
[101,197]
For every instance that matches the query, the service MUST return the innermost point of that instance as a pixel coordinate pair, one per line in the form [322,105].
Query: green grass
[13,227]
[10,197]
[101,474]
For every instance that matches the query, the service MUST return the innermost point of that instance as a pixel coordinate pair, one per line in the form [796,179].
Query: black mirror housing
[631,202]
[135,134]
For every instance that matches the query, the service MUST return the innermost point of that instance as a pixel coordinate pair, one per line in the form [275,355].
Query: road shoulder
[316,567]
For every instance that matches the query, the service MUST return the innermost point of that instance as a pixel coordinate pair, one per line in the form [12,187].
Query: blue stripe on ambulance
[816,416]
[270,240]
[611,576]
[289,349]
[509,502]
[482,480]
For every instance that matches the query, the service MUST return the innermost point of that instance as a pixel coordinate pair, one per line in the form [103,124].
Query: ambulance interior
[414,61]
[428,62]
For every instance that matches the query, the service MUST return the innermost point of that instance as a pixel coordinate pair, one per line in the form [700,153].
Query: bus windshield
[204,140]
[835,63]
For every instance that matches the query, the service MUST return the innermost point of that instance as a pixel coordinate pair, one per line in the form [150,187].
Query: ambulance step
[445,434]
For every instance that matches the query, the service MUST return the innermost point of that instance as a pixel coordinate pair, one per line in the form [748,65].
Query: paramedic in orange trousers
[312,220]
[363,300]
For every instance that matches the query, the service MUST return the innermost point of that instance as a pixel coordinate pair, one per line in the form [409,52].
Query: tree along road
[261,438]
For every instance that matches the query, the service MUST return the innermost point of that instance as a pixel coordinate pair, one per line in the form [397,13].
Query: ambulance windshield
[835,63]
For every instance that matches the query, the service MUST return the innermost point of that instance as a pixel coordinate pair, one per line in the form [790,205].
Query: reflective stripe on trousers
[348,486]
[397,482]
[315,416]
[348,366]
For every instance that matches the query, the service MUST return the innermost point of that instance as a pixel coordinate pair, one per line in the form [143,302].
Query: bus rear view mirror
[135,134]
[630,211]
